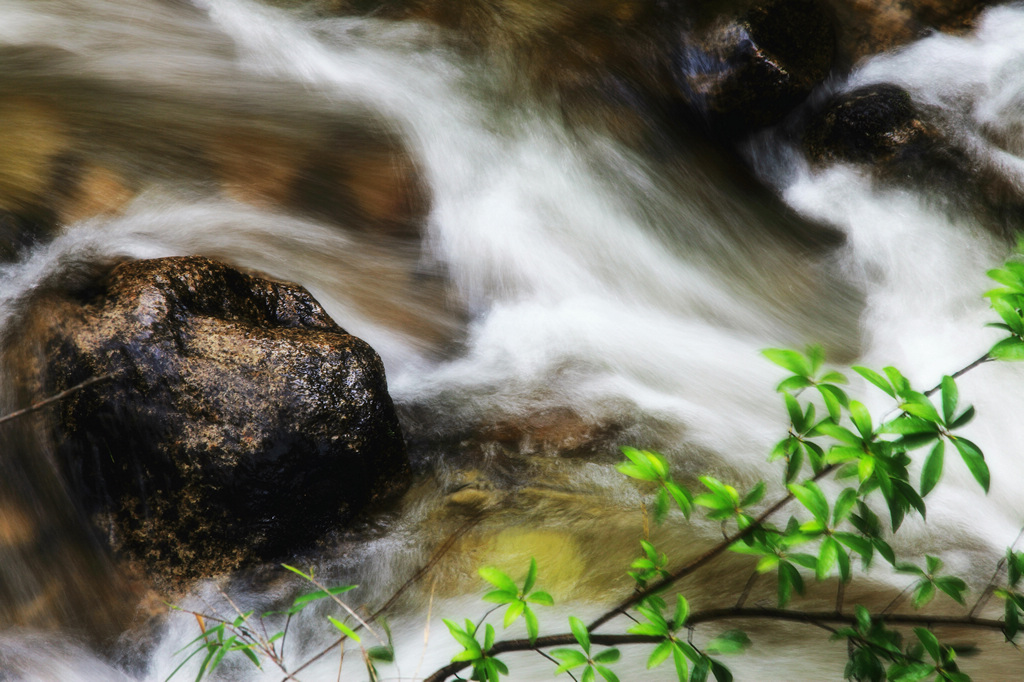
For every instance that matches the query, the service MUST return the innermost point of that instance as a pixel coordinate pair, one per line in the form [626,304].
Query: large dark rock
[747,73]
[240,421]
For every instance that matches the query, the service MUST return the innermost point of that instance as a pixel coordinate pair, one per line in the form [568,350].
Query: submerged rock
[239,423]
[746,73]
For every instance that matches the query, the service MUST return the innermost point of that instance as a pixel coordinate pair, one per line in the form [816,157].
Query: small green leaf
[952,586]
[923,594]
[877,379]
[930,642]
[950,397]
[826,557]
[515,609]
[1011,349]
[344,629]
[660,654]
[682,612]
[861,418]
[729,642]
[974,460]
[498,579]
[607,656]
[607,674]
[844,504]
[531,576]
[932,470]
[790,360]
[811,497]
[754,496]
[679,660]
[542,598]
[532,626]
[579,631]
[570,658]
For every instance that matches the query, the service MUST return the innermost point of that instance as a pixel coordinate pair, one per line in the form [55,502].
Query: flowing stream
[549,281]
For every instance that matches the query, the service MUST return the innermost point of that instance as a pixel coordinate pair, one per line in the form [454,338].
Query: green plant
[830,436]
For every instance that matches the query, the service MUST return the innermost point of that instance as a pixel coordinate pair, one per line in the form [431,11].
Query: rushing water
[546,276]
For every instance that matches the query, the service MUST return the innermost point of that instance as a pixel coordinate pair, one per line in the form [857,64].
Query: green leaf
[861,546]
[963,419]
[843,559]
[729,642]
[811,497]
[607,656]
[833,402]
[861,418]
[515,609]
[344,629]
[877,379]
[826,557]
[251,655]
[840,433]
[682,612]
[542,598]
[531,576]
[952,586]
[498,579]
[462,637]
[789,580]
[721,673]
[974,460]
[790,360]
[844,504]
[930,642]
[681,496]
[793,383]
[796,414]
[950,397]
[607,674]
[570,658]
[499,597]
[302,600]
[532,626]
[919,405]
[679,660]
[911,672]
[932,470]
[899,382]
[754,496]
[1010,349]
[1011,620]
[579,631]
[660,654]
[923,594]
[661,506]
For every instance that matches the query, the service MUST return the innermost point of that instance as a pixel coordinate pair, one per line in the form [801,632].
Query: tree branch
[816,618]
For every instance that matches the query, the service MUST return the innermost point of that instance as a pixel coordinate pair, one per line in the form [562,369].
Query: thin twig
[54,398]
[426,628]
[746,590]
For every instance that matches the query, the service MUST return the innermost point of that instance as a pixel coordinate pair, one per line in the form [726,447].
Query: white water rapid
[558,272]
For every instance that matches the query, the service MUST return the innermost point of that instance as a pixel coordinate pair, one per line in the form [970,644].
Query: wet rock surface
[875,123]
[239,423]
